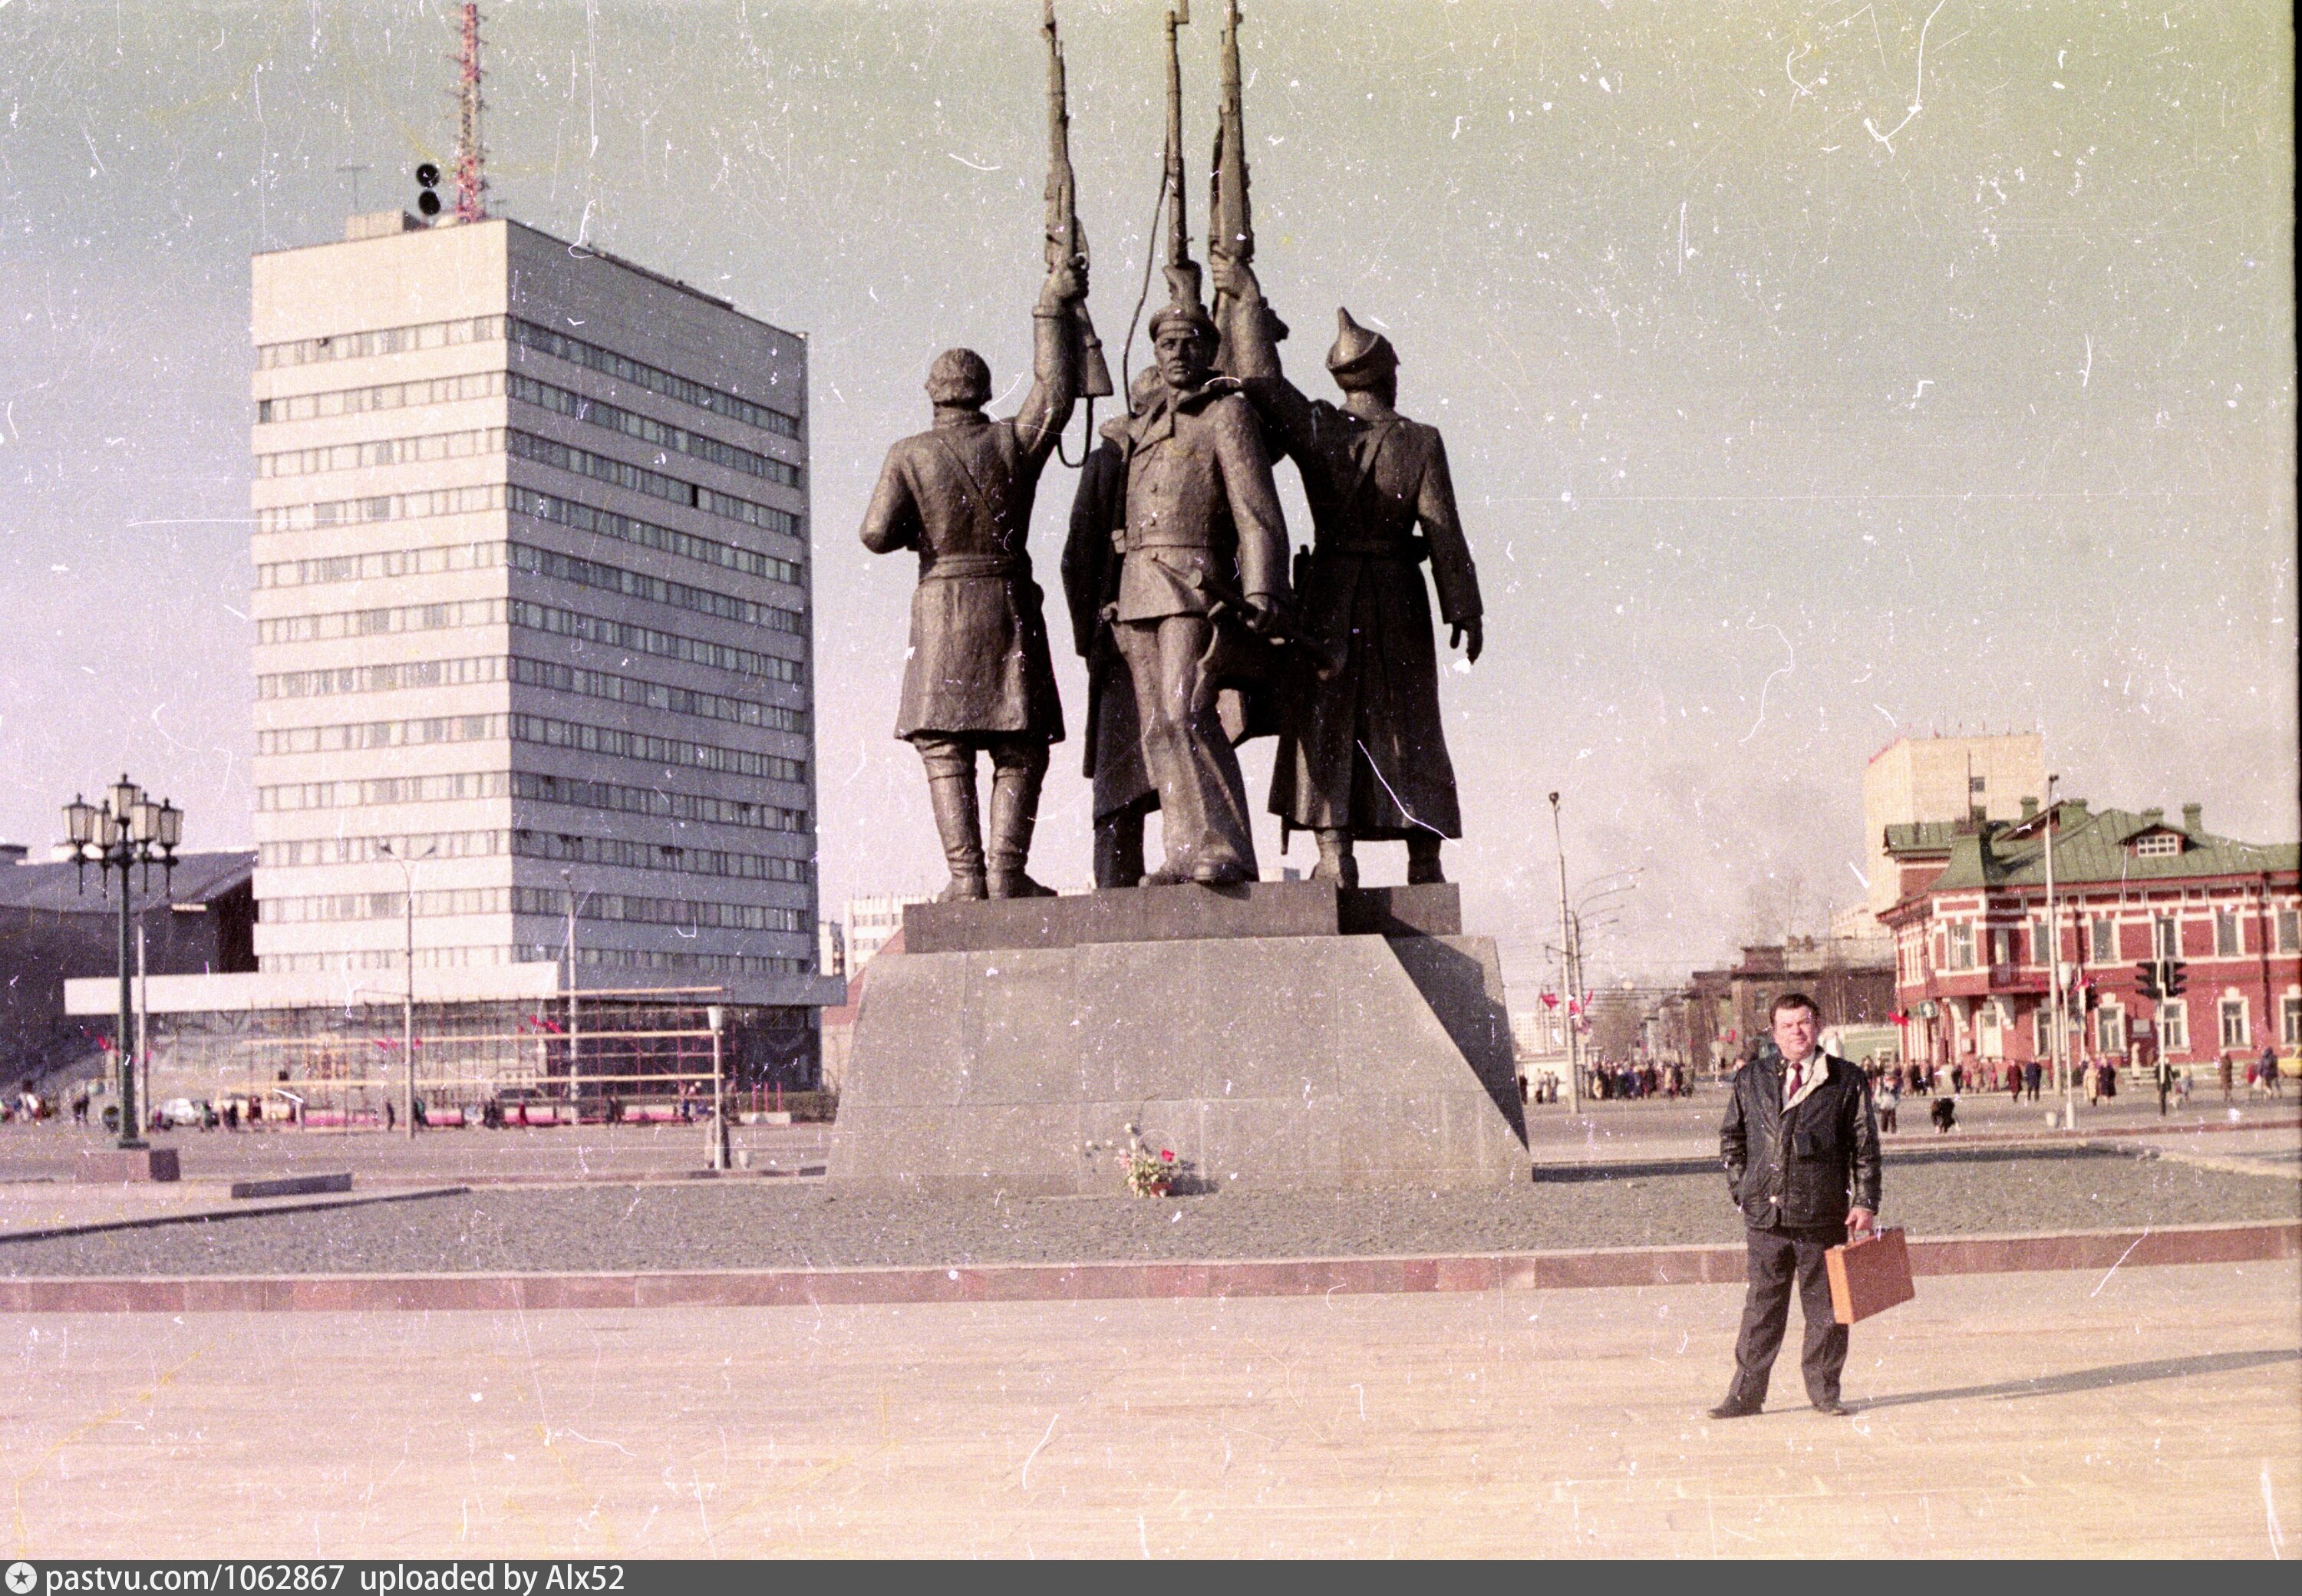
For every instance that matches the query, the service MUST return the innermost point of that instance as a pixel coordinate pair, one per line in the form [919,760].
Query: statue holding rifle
[1362,753]
[979,679]
[1203,552]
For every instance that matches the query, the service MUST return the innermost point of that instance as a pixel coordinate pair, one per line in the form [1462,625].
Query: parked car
[197,1112]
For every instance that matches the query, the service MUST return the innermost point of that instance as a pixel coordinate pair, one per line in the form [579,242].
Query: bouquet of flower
[1150,1173]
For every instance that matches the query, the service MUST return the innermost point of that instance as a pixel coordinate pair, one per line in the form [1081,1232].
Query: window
[2002,947]
[2043,1031]
[2103,935]
[2173,1027]
[2227,944]
[2289,930]
[1976,784]
[2289,1021]
[2110,1030]
[2157,845]
[1961,945]
[2166,938]
[2234,1027]
[2041,951]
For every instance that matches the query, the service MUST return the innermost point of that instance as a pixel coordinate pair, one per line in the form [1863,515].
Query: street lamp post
[127,830]
[1566,977]
[717,1017]
[2058,1044]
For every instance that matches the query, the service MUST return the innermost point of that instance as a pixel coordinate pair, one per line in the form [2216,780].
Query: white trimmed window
[2289,1021]
[2289,930]
[1961,945]
[2235,1030]
[2157,845]
[2103,933]
[2166,936]
[2110,1030]
[2173,1026]
[2228,944]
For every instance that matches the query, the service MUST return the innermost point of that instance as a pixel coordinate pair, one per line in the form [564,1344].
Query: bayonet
[1182,270]
[1066,237]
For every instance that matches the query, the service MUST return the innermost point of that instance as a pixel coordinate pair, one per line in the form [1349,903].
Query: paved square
[2148,1411]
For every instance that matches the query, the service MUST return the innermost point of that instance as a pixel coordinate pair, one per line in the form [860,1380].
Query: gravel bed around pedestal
[740,1223]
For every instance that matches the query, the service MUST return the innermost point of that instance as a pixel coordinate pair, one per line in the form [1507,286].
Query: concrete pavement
[2127,1412]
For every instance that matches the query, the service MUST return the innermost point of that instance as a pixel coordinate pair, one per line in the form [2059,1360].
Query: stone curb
[1061,1283]
[148,1222]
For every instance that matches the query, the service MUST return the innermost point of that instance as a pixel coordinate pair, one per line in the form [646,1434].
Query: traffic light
[2146,979]
[427,178]
[2172,979]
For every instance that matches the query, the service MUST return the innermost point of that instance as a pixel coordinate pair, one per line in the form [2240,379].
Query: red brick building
[1971,937]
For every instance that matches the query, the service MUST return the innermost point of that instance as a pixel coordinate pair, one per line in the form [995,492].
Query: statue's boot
[1014,815]
[1119,848]
[1337,863]
[1422,859]
[960,826]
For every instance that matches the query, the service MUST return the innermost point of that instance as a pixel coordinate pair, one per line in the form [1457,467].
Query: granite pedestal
[1278,1036]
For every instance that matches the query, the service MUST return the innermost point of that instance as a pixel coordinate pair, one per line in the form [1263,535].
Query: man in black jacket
[1800,1146]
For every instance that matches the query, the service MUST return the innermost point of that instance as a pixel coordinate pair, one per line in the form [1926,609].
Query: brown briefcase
[1869,1276]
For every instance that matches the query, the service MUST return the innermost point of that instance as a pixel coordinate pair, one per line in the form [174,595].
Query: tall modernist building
[531,631]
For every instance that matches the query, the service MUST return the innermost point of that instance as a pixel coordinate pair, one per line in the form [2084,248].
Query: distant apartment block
[533,629]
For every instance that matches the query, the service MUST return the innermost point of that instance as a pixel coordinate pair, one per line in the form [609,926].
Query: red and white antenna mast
[471,178]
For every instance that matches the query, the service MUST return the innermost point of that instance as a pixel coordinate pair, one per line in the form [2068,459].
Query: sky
[1811,375]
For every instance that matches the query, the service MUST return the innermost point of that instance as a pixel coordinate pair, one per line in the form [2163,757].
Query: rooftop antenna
[471,180]
[353,169]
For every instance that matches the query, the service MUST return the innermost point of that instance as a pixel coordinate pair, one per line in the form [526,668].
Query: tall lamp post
[127,830]
[1567,973]
[406,863]
[717,1018]
[2058,1043]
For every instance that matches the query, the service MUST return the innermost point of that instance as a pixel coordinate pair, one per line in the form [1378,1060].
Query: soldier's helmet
[1360,355]
[1191,315]
[960,377]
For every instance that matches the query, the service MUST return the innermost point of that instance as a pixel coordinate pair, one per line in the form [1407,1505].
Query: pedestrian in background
[1800,1143]
[1890,1103]
[2224,1068]
[2164,1077]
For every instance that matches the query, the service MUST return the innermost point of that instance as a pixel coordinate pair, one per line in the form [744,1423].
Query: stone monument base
[1320,1058]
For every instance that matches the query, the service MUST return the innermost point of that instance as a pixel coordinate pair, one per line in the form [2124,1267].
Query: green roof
[2091,845]
[1924,836]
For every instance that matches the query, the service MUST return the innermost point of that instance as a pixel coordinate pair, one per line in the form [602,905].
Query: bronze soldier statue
[1362,754]
[978,677]
[1204,549]
[1124,794]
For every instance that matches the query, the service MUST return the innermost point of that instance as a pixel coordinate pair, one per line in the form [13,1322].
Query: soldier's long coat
[1381,503]
[961,493]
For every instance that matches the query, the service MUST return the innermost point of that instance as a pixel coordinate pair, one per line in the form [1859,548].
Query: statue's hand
[1066,283]
[1233,279]
[1470,637]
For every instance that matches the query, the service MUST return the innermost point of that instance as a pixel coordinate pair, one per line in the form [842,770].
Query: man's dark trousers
[1776,1257]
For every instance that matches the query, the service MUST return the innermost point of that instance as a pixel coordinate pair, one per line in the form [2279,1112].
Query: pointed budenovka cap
[1358,348]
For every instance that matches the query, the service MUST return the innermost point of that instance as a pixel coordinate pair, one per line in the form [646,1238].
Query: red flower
[1166,1154]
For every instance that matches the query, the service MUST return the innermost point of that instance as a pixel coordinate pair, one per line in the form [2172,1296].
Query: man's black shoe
[1732,1409]
[1834,1409]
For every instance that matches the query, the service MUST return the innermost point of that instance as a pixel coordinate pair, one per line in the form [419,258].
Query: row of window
[382,564]
[654,379]
[523,842]
[385,340]
[627,908]
[646,640]
[467,444]
[1955,947]
[646,535]
[530,673]
[638,479]
[381,507]
[656,695]
[456,614]
[384,395]
[647,429]
[574,792]
[577,793]
[679,751]
[656,590]
[542,730]
[461,958]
